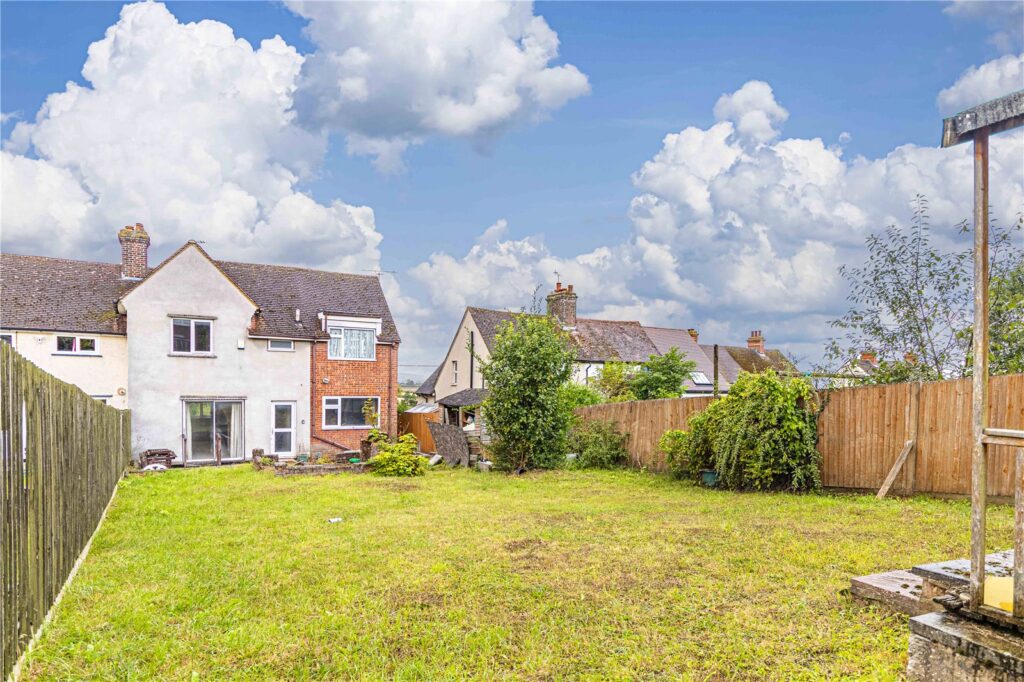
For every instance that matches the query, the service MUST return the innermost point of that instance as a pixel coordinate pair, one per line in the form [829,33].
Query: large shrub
[662,376]
[530,362]
[575,395]
[761,436]
[598,444]
[398,458]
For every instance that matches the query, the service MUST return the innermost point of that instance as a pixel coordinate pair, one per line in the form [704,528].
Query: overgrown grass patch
[235,574]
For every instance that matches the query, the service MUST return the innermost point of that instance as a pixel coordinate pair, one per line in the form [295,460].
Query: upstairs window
[455,372]
[76,344]
[191,336]
[700,378]
[348,343]
[280,345]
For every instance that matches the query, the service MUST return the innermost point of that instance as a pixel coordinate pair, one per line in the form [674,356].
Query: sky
[707,165]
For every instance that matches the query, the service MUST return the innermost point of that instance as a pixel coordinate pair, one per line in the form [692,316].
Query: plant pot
[709,478]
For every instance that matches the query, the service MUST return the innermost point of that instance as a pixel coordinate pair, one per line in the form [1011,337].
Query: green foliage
[899,372]
[598,444]
[915,296]
[399,458]
[377,436]
[573,395]
[370,414]
[613,381]
[662,376]
[406,399]
[761,436]
[531,360]
[674,444]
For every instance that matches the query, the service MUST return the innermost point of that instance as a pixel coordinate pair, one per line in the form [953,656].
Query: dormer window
[191,336]
[350,343]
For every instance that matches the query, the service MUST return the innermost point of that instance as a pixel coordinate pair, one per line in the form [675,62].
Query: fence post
[913,431]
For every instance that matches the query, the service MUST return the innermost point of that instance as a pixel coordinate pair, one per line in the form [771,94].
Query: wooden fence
[62,456]
[416,423]
[862,430]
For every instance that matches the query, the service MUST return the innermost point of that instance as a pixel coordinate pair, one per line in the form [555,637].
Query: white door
[283,426]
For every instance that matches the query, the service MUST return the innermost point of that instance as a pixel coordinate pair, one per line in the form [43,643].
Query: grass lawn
[232,573]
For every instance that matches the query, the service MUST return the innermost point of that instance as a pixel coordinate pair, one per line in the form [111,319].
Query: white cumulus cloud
[389,75]
[980,84]
[188,129]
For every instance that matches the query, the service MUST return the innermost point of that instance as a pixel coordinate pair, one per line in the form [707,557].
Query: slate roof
[58,294]
[427,387]
[597,340]
[736,359]
[464,398]
[665,338]
[77,296]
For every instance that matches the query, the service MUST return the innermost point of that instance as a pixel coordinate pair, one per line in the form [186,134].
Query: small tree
[613,382]
[530,362]
[662,376]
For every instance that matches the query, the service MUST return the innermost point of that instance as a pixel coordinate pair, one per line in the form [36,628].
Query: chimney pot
[562,306]
[756,341]
[910,358]
[134,251]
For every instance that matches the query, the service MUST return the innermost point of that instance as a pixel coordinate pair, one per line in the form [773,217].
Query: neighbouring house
[701,380]
[755,357]
[858,369]
[214,358]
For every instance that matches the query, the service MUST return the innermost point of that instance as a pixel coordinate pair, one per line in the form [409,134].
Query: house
[701,380]
[755,357]
[854,371]
[214,358]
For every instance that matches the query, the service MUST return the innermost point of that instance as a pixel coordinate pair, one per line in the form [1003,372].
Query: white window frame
[78,344]
[274,428]
[340,328]
[695,374]
[289,349]
[14,338]
[455,372]
[339,398]
[192,336]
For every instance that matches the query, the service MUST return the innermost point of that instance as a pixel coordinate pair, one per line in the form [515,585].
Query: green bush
[674,444]
[598,444]
[399,458]
[761,436]
[573,395]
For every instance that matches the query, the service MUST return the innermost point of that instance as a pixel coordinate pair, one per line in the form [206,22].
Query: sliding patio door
[214,430]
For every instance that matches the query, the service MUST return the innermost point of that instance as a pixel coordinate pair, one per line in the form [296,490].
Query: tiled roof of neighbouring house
[427,387]
[597,340]
[665,339]
[78,296]
[58,294]
[464,398]
[736,359]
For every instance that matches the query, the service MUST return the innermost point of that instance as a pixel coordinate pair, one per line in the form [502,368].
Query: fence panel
[861,431]
[62,455]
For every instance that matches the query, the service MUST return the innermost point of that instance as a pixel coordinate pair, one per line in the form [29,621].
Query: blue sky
[870,70]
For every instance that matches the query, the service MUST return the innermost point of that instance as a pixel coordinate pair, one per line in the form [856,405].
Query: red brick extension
[352,378]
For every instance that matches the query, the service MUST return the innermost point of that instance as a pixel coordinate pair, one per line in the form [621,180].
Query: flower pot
[709,478]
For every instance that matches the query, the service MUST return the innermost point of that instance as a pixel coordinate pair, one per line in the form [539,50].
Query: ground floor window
[214,430]
[351,412]
[283,426]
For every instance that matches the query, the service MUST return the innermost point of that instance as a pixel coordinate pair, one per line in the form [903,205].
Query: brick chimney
[755,341]
[869,356]
[562,305]
[134,251]
[693,334]
[910,358]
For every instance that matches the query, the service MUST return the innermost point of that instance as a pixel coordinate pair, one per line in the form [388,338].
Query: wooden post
[979,397]
[913,427]
[1018,536]
[715,390]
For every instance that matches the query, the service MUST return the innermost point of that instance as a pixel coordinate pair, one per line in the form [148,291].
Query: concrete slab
[899,590]
[944,646]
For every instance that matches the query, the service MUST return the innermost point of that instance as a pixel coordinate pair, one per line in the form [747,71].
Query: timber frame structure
[976,125]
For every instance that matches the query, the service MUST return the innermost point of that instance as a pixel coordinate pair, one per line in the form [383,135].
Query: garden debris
[336,519]
[435,460]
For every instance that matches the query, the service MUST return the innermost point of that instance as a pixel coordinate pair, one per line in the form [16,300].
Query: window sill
[352,359]
[74,354]
[364,427]
[191,355]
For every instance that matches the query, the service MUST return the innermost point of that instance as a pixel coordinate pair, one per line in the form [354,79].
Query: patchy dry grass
[235,574]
